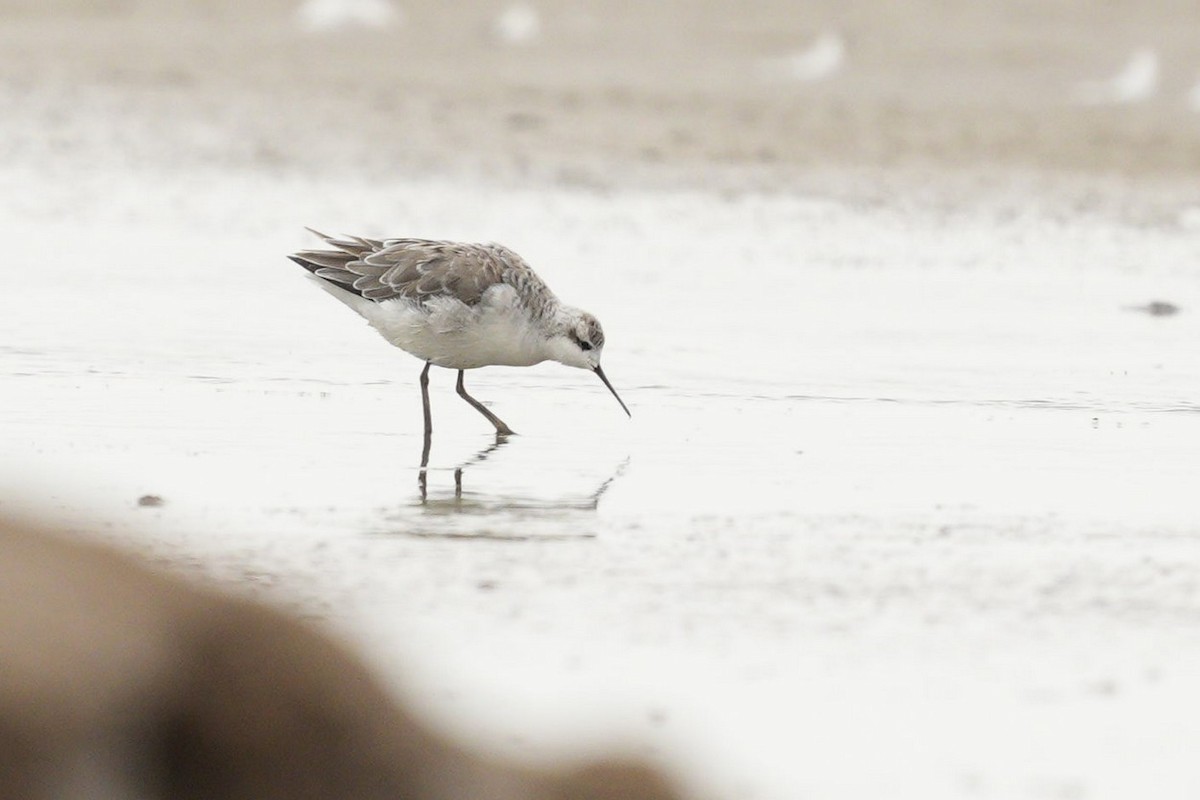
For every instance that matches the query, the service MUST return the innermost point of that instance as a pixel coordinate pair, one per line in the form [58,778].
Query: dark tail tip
[308,265]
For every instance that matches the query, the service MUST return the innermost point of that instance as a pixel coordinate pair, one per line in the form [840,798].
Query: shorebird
[1136,82]
[456,305]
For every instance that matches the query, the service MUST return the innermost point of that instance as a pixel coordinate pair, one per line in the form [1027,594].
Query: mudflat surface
[906,507]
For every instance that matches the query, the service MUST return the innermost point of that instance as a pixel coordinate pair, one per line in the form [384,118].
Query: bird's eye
[585,345]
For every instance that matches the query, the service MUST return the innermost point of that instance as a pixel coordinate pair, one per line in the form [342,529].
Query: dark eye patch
[585,346]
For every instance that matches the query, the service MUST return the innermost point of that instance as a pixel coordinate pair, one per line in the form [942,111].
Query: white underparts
[445,331]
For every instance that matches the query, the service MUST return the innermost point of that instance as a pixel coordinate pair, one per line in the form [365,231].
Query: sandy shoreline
[674,95]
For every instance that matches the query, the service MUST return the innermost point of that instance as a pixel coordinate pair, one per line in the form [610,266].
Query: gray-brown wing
[418,268]
[412,268]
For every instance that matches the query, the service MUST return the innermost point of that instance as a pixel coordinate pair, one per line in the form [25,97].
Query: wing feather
[326,258]
[341,276]
[417,269]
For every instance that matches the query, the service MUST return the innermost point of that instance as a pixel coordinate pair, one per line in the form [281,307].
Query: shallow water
[906,506]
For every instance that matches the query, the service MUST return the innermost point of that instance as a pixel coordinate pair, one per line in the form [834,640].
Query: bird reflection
[482,455]
[584,503]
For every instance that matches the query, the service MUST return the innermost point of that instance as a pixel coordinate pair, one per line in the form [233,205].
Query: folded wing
[416,269]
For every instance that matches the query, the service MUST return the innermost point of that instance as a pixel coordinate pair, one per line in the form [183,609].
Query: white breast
[443,330]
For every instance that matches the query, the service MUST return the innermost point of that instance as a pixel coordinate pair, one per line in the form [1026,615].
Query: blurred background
[566,90]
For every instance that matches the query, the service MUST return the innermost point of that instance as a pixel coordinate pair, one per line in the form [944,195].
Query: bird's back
[419,270]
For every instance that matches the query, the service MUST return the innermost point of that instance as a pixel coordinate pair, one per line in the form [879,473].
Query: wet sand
[906,506]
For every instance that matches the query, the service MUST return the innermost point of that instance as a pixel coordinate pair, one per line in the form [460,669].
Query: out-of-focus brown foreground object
[119,682]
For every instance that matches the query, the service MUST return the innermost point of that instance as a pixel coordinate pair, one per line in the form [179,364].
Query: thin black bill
[604,378]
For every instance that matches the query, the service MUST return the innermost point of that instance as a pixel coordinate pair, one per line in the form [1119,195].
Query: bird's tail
[331,265]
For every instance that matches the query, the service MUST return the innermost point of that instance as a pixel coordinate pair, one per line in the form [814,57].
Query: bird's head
[578,341]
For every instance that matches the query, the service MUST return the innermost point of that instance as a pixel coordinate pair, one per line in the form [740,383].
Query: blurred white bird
[1189,218]
[519,24]
[1137,81]
[1193,97]
[819,61]
[326,15]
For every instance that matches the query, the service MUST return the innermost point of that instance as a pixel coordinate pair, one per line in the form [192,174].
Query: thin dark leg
[501,428]
[425,399]
[428,428]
